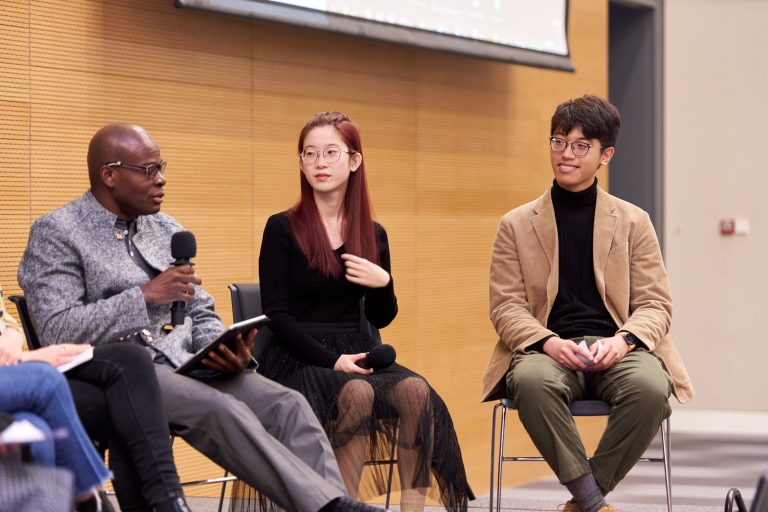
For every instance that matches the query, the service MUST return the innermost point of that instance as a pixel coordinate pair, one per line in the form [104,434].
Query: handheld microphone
[183,249]
[379,357]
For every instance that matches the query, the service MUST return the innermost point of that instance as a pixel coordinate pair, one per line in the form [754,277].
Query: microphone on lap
[183,249]
[379,357]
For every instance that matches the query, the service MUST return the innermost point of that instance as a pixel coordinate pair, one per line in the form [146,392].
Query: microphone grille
[381,356]
[183,245]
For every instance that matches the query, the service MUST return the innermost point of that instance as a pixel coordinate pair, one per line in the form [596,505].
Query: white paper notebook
[85,355]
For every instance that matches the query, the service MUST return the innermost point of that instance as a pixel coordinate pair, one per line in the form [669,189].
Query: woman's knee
[46,377]
[356,391]
[413,393]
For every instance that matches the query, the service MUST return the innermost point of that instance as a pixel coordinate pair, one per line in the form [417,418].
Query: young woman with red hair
[318,261]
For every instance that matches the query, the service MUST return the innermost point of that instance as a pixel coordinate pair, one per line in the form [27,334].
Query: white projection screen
[531,32]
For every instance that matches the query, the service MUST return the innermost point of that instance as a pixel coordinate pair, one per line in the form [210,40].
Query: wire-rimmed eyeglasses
[331,154]
[559,145]
[150,170]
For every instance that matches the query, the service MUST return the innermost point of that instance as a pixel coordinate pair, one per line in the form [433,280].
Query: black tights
[119,402]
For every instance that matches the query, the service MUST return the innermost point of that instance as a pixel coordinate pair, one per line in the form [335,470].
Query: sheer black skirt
[438,465]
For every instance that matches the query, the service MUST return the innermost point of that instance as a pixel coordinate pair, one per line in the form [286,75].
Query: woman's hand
[55,355]
[363,272]
[10,347]
[347,363]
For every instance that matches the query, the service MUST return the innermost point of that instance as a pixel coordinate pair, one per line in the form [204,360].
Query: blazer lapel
[546,231]
[156,255]
[605,226]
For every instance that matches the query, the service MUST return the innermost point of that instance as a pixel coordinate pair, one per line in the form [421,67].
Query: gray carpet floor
[704,468]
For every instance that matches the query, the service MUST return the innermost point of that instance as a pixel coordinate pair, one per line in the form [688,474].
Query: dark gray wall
[635,66]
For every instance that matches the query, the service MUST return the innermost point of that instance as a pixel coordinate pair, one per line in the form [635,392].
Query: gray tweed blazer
[83,287]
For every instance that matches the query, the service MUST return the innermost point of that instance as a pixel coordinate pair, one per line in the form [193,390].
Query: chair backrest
[760,501]
[33,342]
[246,303]
[246,300]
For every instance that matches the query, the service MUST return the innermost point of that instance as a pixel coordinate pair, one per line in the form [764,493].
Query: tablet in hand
[227,338]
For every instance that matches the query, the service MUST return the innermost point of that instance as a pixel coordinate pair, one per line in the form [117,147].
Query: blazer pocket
[622,248]
[618,254]
[617,272]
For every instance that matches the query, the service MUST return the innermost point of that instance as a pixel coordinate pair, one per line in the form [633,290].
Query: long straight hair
[357,229]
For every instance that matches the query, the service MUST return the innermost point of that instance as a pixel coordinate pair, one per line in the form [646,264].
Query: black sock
[587,493]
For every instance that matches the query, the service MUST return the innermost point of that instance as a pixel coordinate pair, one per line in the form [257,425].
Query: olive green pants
[637,387]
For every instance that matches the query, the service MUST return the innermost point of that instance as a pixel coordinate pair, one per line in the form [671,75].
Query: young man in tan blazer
[579,264]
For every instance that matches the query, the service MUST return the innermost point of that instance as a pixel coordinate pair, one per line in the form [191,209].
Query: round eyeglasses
[559,145]
[331,154]
[150,170]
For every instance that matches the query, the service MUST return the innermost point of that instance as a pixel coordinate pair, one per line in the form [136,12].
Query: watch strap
[630,339]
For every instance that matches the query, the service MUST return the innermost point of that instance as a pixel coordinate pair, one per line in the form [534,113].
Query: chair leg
[493,454]
[223,492]
[391,467]
[734,496]
[501,457]
[665,450]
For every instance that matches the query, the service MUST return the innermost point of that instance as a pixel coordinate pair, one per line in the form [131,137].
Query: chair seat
[578,407]
[590,408]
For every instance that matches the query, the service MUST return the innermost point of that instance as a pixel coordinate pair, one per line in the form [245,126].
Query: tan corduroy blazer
[629,273]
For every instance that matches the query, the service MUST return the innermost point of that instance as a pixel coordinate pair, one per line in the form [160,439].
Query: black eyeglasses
[150,170]
[559,145]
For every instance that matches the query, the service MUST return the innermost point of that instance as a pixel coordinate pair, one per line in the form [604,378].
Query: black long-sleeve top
[292,293]
[578,309]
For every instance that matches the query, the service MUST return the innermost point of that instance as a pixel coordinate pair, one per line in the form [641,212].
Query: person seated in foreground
[35,391]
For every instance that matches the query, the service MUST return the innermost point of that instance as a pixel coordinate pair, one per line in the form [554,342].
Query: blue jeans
[41,452]
[39,389]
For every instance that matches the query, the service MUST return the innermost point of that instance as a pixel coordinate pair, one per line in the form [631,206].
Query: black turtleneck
[578,310]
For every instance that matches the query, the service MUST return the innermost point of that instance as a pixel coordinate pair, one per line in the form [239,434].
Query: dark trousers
[119,402]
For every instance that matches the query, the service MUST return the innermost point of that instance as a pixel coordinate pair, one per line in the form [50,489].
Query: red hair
[357,229]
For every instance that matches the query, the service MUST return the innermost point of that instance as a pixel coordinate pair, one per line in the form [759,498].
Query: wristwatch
[630,338]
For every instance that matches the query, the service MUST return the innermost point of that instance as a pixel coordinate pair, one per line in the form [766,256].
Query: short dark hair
[598,119]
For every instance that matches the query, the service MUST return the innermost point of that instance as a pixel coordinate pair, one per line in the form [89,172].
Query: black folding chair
[759,502]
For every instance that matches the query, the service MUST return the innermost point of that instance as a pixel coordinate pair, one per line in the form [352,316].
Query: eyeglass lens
[330,155]
[578,148]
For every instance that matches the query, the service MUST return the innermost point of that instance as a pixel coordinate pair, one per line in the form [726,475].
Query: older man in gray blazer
[98,270]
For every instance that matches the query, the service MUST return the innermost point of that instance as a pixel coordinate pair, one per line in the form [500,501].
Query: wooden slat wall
[451,144]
